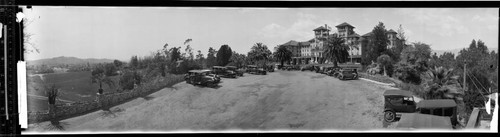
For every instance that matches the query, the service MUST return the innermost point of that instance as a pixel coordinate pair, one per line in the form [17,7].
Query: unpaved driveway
[289,100]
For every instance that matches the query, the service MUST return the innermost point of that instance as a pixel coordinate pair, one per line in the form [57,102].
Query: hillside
[456,51]
[67,60]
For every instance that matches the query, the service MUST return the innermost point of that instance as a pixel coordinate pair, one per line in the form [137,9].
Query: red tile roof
[291,43]
[344,24]
[354,35]
[320,28]
[391,31]
[305,43]
[368,34]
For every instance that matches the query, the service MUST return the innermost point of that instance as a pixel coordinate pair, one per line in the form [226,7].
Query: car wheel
[389,116]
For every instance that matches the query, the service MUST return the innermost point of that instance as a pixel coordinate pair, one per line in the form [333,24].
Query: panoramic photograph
[210,69]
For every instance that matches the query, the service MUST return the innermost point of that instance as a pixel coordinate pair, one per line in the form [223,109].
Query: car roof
[195,71]
[397,92]
[423,121]
[230,66]
[218,67]
[436,103]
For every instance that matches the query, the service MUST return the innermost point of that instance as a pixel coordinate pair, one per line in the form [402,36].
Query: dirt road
[281,100]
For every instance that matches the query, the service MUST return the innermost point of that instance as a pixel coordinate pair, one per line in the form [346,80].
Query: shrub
[407,73]
[128,80]
[52,92]
[110,70]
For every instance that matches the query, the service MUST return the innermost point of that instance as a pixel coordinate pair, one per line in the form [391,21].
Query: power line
[479,82]
[478,88]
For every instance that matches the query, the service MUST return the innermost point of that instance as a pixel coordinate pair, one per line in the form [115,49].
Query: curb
[385,84]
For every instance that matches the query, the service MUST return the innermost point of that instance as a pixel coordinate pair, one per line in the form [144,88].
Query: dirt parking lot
[281,100]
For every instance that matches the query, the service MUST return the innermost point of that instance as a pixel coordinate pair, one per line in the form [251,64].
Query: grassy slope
[74,86]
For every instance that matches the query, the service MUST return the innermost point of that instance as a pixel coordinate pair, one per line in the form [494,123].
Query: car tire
[389,116]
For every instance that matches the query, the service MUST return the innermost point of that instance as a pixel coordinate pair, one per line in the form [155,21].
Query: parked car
[397,102]
[334,71]
[270,68]
[252,69]
[439,107]
[423,121]
[348,74]
[223,72]
[307,67]
[237,70]
[202,77]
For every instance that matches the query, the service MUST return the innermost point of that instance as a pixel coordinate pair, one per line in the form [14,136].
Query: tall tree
[237,59]
[336,50]
[223,55]
[175,54]
[447,60]
[400,44]
[211,60]
[282,54]
[189,51]
[377,43]
[259,53]
[117,63]
[200,58]
[134,62]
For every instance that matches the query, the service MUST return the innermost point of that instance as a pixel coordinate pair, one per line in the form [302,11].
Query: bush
[128,80]
[110,70]
[407,73]
[52,93]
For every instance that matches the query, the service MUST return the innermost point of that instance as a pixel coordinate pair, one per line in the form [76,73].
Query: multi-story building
[391,34]
[351,39]
[311,51]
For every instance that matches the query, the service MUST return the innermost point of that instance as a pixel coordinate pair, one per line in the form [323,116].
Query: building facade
[311,51]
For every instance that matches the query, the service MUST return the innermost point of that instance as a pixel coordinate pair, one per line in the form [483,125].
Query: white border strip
[22,94]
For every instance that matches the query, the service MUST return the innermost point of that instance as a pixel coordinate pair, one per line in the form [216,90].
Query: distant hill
[67,60]
[456,51]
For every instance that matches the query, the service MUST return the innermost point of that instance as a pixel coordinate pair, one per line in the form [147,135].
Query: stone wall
[63,111]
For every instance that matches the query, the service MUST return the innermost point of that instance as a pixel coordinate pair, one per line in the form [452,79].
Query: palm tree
[98,77]
[336,50]
[441,83]
[283,54]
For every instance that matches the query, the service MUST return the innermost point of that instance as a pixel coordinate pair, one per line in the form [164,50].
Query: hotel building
[311,51]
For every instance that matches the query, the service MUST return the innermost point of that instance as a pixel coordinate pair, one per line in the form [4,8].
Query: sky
[121,32]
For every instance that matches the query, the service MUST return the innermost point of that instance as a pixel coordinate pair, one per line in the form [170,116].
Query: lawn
[73,86]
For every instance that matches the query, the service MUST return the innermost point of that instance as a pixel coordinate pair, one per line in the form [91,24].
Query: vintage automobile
[423,121]
[270,68]
[396,102]
[348,74]
[223,72]
[334,71]
[439,107]
[202,77]
[253,69]
[235,69]
[307,67]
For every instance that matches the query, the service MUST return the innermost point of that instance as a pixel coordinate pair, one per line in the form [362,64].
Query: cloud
[443,22]
[300,30]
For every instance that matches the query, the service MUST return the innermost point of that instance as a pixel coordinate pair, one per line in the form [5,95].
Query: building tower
[391,35]
[320,33]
